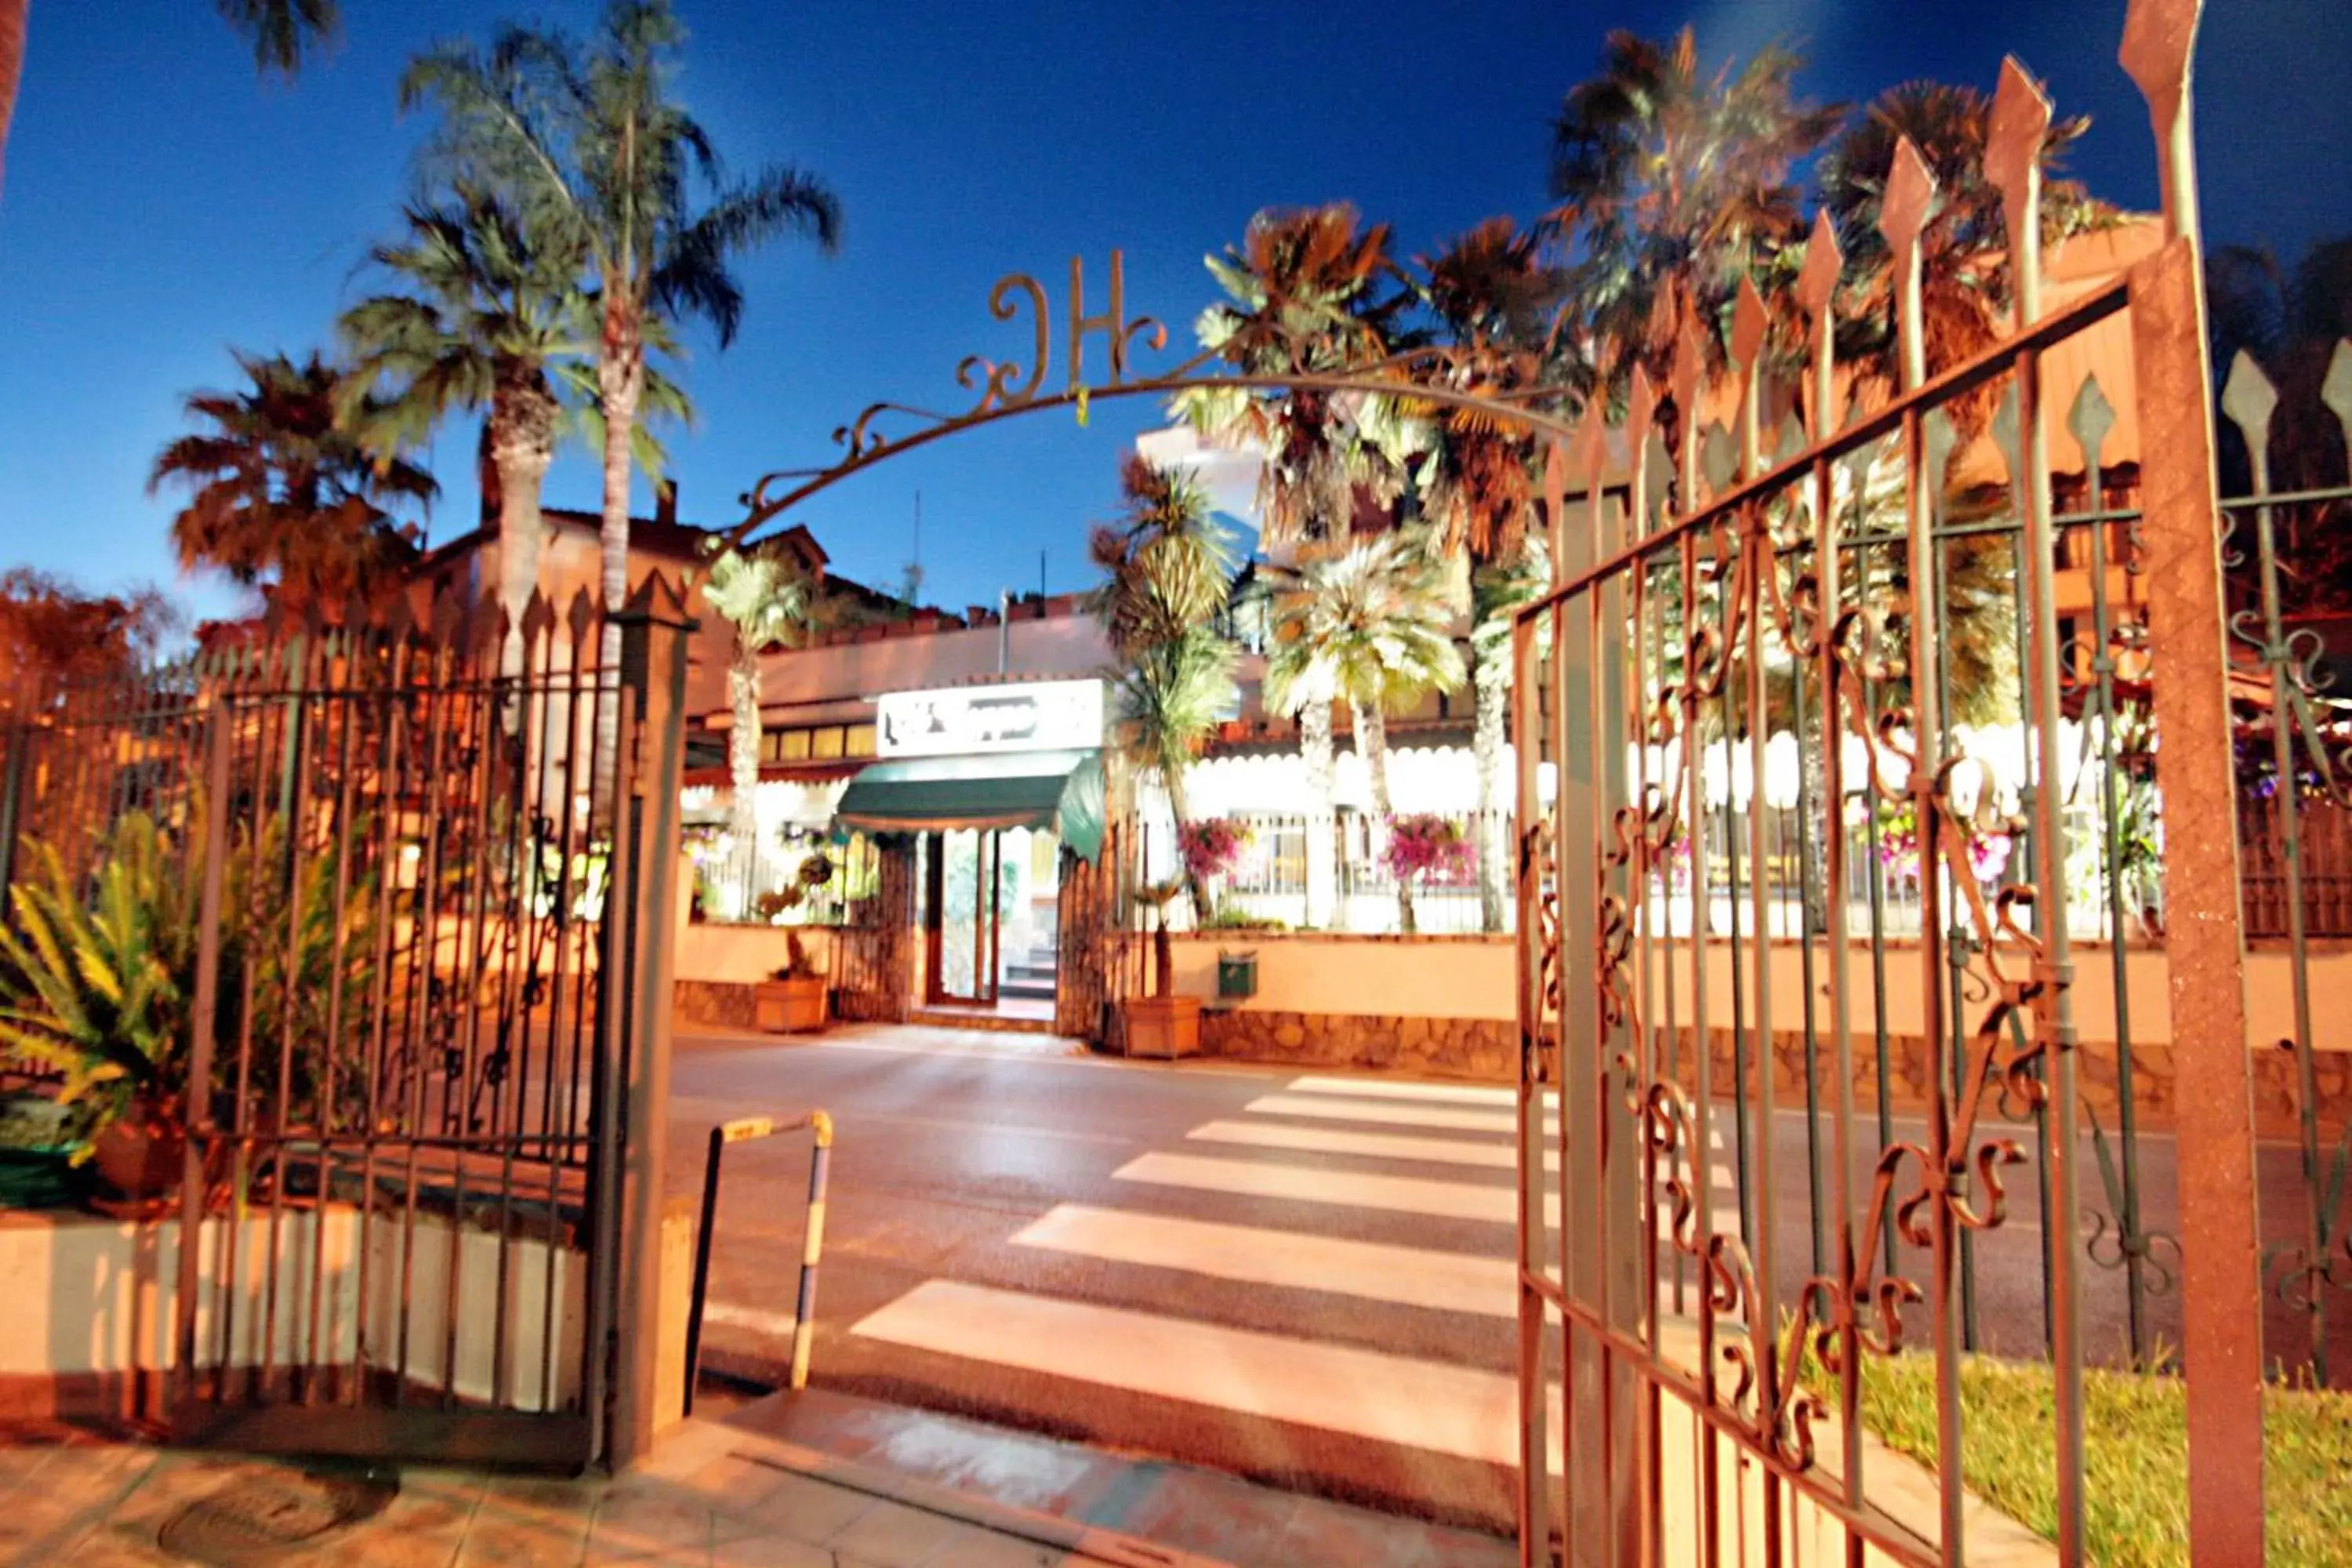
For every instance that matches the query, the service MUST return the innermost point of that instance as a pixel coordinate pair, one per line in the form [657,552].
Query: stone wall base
[2097,1078]
[1482,1049]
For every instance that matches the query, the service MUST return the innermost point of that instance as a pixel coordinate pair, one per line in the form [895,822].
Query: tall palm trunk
[1371,726]
[743,749]
[1323,814]
[620,381]
[521,431]
[1490,687]
[16,19]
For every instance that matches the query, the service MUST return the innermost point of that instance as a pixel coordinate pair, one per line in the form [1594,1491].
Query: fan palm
[1490,291]
[595,154]
[1964,272]
[284,493]
[1373,625]
[770,604]
[1306,292]
[282,30]
[1672,185]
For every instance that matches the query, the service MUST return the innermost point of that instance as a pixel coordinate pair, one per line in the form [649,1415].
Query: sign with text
[1042,716]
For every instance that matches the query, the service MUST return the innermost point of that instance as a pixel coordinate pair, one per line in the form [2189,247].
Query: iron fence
[793,876]
[1874,1111]
[374,867]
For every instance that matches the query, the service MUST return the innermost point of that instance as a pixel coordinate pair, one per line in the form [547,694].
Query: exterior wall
[839,681]
[1360,976]
[95,1299]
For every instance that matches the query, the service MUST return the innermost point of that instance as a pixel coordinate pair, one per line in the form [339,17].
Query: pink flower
[1211,847]
[1428,847]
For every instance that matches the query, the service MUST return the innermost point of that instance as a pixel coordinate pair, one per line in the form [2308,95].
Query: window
[860,740]
[826,743]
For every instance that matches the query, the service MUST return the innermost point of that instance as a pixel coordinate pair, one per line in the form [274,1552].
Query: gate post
[2220,1273]
[654,631]
[2221,1295]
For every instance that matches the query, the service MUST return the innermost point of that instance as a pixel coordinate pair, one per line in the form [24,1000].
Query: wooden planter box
[1163,1027]
[790,1006]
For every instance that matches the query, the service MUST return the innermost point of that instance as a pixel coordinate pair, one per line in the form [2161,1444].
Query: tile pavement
[821,1482]
[67,1497]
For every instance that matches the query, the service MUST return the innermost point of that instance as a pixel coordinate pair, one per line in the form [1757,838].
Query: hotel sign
[966,720]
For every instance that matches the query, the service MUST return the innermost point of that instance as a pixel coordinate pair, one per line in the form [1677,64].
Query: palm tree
[594,153]
[1490,291]
[1376,623]
[1964,273]
[1168,582]
[1673,185]
[1306,292]
[284,493]
[771,604]
[499,322]
[281,30]
[492,320]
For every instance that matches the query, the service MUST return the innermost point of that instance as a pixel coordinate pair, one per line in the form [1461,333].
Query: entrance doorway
[989,918]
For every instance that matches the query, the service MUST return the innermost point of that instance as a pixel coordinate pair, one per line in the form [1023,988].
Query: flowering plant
[1211,847]
[1427,847]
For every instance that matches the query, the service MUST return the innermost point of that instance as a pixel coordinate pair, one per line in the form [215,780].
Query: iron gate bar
[1866,429]
[742,1130]
[2220,1270]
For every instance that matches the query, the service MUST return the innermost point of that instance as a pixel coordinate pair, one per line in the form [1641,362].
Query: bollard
[743,1131]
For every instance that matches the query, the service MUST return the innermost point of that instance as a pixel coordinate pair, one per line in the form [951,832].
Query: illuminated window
[793,746]
[861,740]
[826,743]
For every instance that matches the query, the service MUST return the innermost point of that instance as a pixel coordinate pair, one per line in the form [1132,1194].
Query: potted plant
[790,1001]
[1162,1024]
[98,991]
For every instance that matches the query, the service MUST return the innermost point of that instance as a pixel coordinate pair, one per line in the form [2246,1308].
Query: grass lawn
[2136,1455]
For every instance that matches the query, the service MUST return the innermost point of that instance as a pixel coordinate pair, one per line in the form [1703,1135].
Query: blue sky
[163,205]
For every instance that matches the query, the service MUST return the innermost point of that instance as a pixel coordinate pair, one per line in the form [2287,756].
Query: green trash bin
[1236,976]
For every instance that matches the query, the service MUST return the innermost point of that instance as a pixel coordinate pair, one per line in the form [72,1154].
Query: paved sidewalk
[713,1498]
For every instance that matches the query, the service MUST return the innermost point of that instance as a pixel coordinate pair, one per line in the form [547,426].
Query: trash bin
[1236,975]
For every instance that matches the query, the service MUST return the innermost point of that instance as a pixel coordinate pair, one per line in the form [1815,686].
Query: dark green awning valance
[1061,790]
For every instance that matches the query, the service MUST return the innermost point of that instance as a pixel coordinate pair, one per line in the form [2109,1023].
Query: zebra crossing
[1277,1198]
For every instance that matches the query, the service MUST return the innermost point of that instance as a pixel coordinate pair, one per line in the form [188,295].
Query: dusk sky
[163,205]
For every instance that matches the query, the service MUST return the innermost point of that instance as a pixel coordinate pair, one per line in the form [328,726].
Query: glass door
[965,904]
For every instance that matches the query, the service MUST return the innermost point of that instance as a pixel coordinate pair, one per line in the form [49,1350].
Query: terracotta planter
[142,1156]
[1163,1027]
[790,1006]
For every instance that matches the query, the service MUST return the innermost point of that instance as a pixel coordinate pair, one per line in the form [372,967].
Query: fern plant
[98,988]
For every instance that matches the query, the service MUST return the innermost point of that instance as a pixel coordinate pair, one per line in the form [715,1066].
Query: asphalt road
[1303,1279]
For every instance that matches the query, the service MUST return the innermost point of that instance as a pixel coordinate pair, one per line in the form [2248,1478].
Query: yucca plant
[98,988]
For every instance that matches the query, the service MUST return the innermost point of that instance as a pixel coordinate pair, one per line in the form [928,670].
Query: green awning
[1060,790]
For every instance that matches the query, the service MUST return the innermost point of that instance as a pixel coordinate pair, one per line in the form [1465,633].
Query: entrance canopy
[1060,790]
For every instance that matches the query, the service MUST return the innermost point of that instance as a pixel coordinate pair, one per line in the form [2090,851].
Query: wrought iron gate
[1742,1229]
[873,971]
[379,870]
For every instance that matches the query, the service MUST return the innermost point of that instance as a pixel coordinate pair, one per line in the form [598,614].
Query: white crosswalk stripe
[1403,1275]
[1279,1149]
